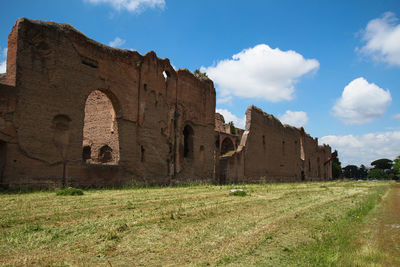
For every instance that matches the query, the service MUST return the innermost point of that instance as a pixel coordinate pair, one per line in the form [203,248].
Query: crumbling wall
[58,69]
[196,109]
[324,154]
[219,123]
[270,151]
[76,112]
[316,166]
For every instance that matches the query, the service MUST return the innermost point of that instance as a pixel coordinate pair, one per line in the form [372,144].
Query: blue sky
[331,66]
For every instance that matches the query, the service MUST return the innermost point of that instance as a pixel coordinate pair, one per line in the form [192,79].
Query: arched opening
[188,142]
[86,153]
[166,75]
[217,142]
[201,153]
[226,146]
[142,150]
[100,130]
[105,154]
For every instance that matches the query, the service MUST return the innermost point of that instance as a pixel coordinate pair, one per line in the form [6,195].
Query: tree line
[381,169]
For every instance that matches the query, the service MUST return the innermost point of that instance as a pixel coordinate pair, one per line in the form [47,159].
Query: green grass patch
[334,247]
[69,192]
[238,192]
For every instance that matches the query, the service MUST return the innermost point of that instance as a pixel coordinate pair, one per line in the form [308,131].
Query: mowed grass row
[275,224]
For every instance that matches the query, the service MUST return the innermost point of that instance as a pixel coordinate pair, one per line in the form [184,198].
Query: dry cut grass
[274,224]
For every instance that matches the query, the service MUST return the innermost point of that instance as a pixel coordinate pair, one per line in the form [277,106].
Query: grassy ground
[377,242]
[288,224]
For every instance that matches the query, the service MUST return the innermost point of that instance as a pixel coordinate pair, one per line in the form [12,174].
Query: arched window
[86,153]
[201,153]
[100,130]
[188,142]
[105,154]
[226,146]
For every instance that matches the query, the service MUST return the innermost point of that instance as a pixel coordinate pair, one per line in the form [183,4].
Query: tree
[363,172]
[200,74]
[396,166]
[377,174]
[351,171]
[336,166]
[232,126]
[383,164]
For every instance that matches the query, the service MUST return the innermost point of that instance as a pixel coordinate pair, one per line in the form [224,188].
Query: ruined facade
[270,151]
[76,112]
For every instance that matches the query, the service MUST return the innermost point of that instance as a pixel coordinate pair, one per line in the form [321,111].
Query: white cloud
[131,5]
[3,61]
[294,118]
[260,72]
[396,116]
[365,148]
[224,100]
[3,66]
[117,42]
[361,102]
[382,37]
[228,116]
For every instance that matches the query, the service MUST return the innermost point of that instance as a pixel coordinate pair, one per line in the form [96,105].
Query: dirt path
[388,231]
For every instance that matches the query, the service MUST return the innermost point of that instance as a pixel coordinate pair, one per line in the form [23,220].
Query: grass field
[288,224]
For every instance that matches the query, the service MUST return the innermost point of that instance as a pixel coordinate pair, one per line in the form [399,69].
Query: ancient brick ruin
[269,151]
[76,112]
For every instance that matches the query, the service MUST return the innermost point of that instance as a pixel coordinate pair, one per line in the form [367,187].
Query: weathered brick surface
[59,73]
[143,121]
[270,151]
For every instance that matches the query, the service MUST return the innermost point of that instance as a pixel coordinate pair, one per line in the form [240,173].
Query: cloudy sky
[330,66]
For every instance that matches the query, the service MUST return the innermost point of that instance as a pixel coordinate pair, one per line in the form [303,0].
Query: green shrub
[69,192]
[238,192]
[377,174]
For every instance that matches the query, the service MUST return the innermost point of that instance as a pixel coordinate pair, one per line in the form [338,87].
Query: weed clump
[238,192]
[69,192]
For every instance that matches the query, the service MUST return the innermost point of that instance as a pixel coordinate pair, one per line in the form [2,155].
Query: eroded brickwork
[270,151]
[76,112]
